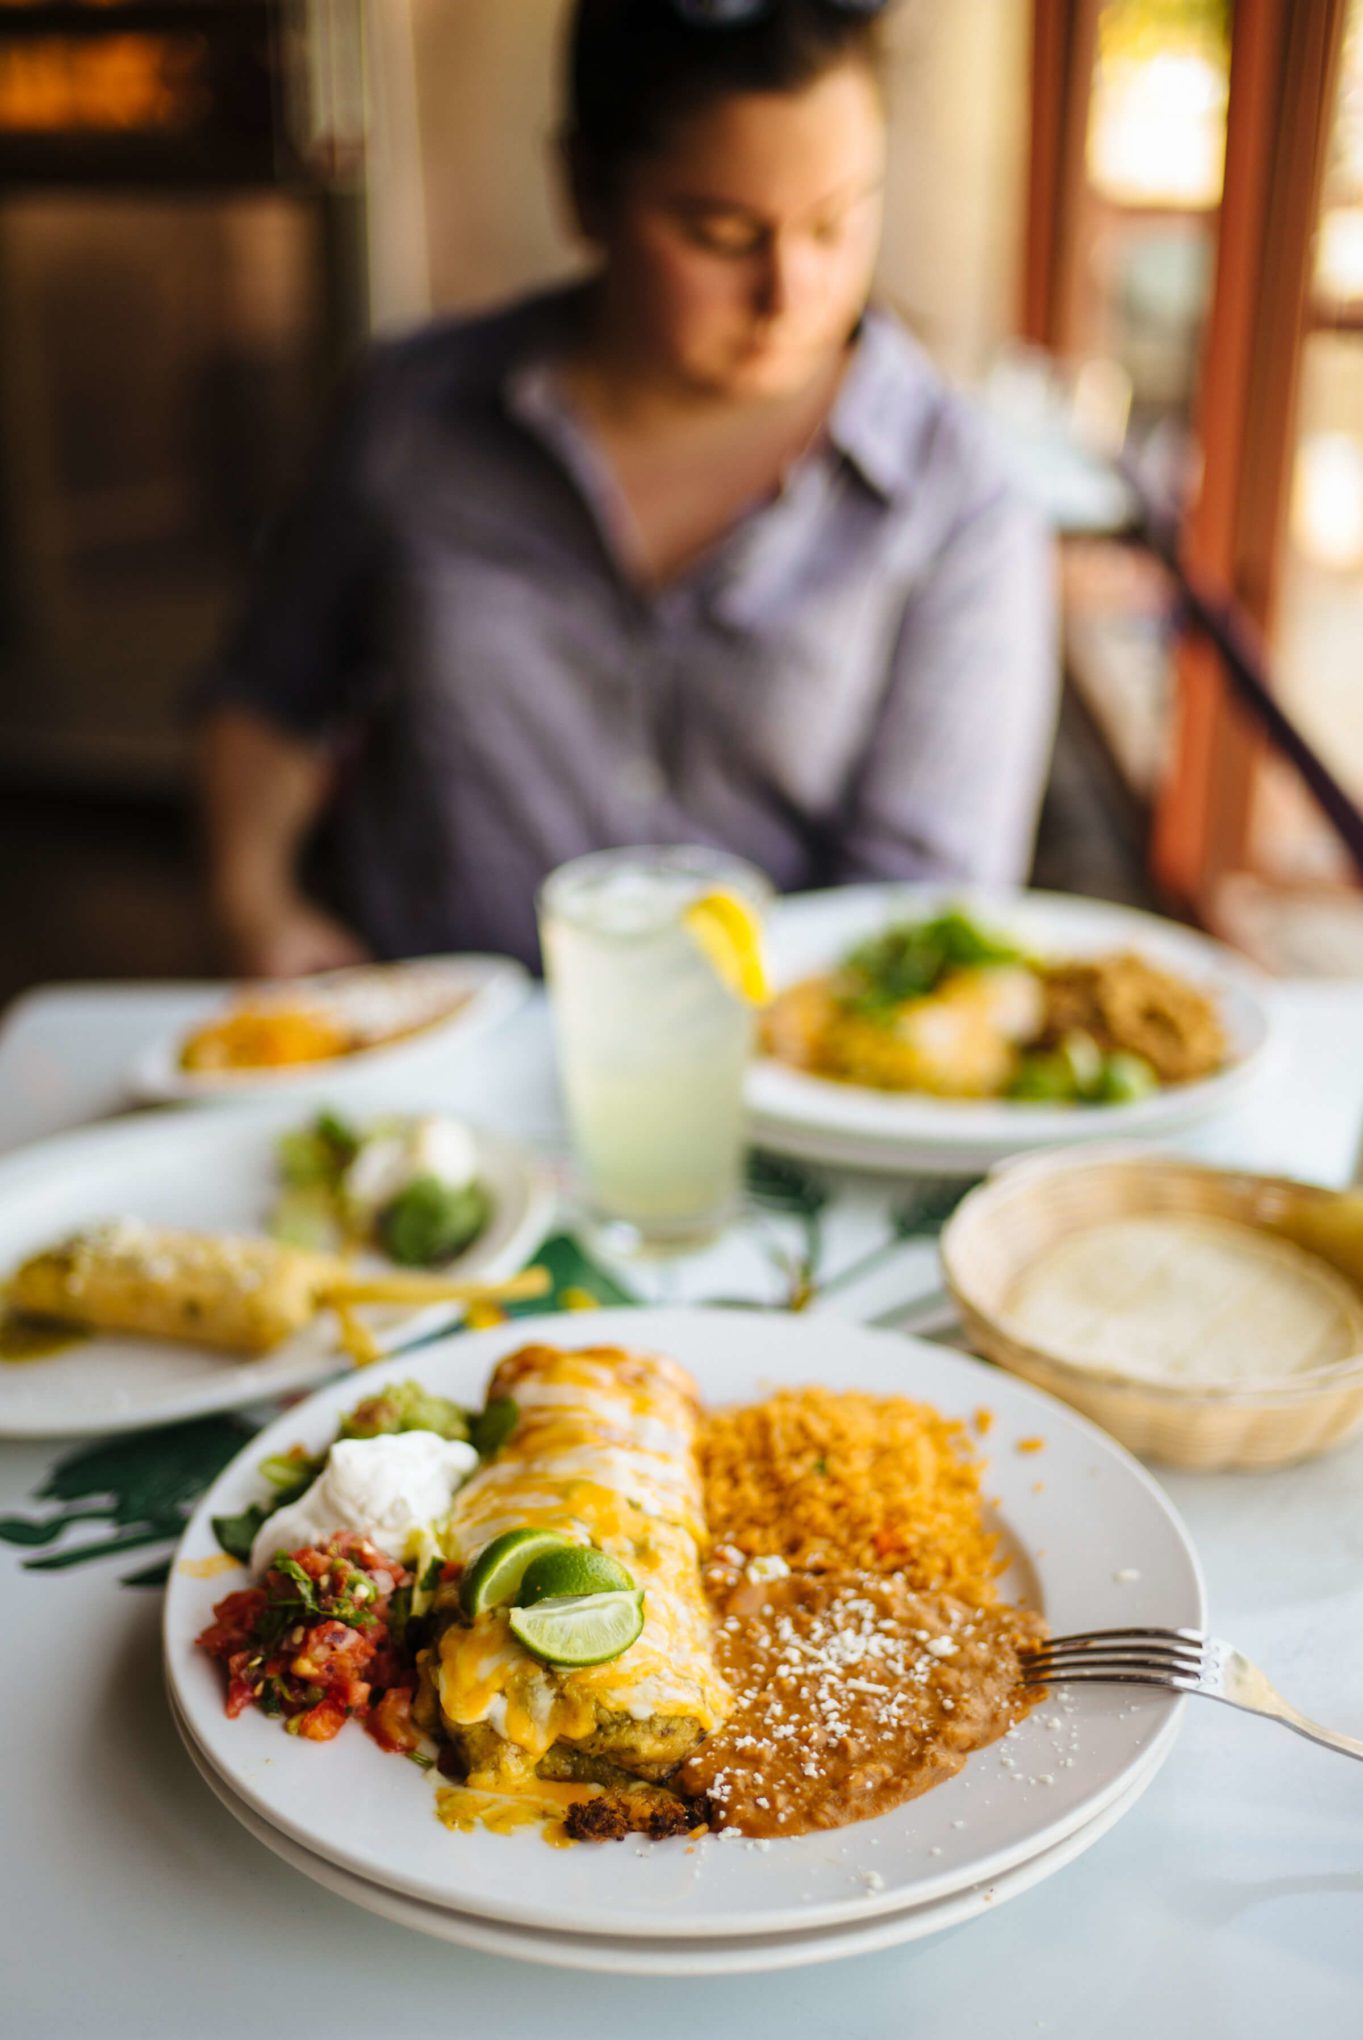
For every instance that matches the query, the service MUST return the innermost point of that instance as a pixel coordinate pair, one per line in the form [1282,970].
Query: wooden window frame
[1284,66]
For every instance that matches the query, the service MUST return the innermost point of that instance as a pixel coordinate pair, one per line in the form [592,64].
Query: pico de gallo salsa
[323,1640]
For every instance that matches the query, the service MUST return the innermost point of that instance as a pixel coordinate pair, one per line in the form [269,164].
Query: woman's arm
[261,790]
[952,776]
[299,666]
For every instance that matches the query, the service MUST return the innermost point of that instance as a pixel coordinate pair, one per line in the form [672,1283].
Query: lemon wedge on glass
[728,930]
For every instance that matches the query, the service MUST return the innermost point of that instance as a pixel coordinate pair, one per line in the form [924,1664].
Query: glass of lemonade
[652,1040]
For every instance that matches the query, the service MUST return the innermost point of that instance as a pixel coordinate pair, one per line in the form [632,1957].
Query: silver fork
[1179,1659]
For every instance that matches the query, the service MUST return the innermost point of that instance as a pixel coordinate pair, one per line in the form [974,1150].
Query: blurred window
[1319,626]
[1154,152]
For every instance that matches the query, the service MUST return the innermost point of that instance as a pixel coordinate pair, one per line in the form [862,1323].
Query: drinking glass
[652,1043]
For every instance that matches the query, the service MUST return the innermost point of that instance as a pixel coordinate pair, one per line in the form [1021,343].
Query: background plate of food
[312,1036]
[837,1473]
[161,1267]
[948,1028]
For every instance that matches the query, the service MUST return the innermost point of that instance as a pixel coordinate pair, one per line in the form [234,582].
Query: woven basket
[1025,1207]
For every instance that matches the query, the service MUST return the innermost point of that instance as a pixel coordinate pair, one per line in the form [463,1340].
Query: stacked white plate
[1092,1542]
[854,1126]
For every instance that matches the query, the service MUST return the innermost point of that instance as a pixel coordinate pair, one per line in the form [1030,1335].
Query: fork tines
[1146,1657]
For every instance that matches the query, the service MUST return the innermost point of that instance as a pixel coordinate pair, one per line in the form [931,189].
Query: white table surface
[1229,1902]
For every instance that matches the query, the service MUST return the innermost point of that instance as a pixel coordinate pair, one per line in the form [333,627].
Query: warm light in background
[1157,135]
[1339,234]
[1157,118]
[1327,500]
[1339,254]
[113,85]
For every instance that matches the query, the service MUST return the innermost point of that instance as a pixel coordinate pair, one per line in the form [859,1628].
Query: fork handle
[1282,1710]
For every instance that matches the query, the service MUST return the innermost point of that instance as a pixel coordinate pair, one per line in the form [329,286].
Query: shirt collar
[885,399]
[875,422]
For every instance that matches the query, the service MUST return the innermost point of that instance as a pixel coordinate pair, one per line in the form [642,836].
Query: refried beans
[852,1695]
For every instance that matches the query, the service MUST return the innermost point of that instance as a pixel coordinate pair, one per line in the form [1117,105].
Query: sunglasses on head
[742,13]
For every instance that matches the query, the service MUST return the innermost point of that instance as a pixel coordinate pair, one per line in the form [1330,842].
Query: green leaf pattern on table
[781,1187]
[141,1485]
[577,1280]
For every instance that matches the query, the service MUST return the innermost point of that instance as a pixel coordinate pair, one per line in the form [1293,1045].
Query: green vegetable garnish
[317,1156]
[340,1136]
[399,1613]
[236,1534]
[1124,1078]
[1084,1058]
[1043,1077]
[429,1222]
[910,960]
[492,1426]
[292,1473]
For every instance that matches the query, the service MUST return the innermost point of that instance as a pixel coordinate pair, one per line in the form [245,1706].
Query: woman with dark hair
[701,550]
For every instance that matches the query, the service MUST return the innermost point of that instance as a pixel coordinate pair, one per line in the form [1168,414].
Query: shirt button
[641,781]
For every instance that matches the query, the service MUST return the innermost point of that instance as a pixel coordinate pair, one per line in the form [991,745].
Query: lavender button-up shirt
[858,681]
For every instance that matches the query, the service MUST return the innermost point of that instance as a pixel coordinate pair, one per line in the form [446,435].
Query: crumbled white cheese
[773,1567]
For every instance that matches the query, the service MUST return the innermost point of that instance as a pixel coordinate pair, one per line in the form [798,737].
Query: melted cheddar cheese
[604,1453]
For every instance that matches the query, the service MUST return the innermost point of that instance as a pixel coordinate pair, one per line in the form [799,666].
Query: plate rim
[650,1326]
[725,1957]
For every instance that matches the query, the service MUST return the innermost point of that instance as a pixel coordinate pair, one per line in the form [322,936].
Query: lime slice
[495,1576]
[728,930]
[585,1629]
[580,1569]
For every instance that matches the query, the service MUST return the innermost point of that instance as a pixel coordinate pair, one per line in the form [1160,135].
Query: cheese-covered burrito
[246,1295]
[603,1452]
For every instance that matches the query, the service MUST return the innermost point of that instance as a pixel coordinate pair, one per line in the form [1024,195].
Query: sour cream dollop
[383,1488]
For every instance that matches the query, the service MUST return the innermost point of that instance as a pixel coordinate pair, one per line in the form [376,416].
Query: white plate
[495,985]
[856,1126]
[738,1955]
[1076,1515]
[217,1172]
